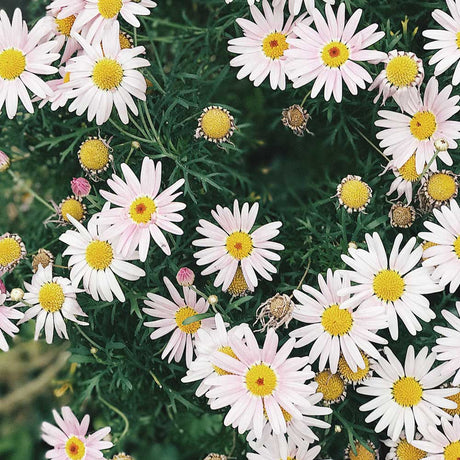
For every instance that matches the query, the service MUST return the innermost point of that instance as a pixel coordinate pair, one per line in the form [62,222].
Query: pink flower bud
[185,276]
[80,186]
[2,287]
[4,161]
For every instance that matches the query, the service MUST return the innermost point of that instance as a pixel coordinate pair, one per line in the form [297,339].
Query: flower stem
[373,145]
[118,411]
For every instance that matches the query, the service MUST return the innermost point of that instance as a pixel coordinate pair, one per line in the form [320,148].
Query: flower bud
[80,186]
[185,276]
[17,294]
[135,145]
[441,145]
[4,161]
[352,245]
[213,299]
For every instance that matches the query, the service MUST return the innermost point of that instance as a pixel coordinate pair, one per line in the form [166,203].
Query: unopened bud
[441,145]
[337,428]
[17,294]
[135,145]
[80,186]
[352,245]
[185,276]
[213,299]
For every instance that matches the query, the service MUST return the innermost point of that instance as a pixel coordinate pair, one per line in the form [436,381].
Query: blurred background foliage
[112,369]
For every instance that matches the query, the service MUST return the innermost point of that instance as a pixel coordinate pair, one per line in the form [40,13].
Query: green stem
[427,167]
[91,341]
[305,98]
[373,145]
[119,412]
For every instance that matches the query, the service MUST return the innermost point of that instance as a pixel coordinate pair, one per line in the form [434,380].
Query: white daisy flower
[106,75]
[6,325]
[401,449]
[334,330]
[172,315]
[67,8]
[232,245]
[391,283]
[445,255]
[406,397]
[51,299]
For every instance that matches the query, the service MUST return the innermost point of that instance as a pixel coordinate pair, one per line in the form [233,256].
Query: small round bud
[441,145]
[122,456]
[352,245]
[213,299]
[185,276]
[80,186]
[337,428]
[93,350]
[2,287]
[17,294]
[4,161]
[135,145]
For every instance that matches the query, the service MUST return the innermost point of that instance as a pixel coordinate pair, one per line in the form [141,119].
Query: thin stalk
[372,145]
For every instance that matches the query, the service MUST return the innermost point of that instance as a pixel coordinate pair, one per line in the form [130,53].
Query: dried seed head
[275,312]
[402,215]
[296,118]
[43,257]
[215,457]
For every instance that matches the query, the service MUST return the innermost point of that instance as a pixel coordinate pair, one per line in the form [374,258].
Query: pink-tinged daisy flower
[263,47]
[70,440]
[95,261]
[102,14]
[22,58]
[406,397]
[141,213]
[67,8]
[232,245]
[329,54]
[334,330]
[417,132]
[448,346]
[446,41]
[400,79]
[61,91]
[6,325]
[260,381]
[104,76]
[171,316]
[51,299]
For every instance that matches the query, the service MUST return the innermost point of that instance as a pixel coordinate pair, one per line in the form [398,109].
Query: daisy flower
[12,251]
[391,284]
[67,8]
[95,260]
[60,90]
[331,386]
[69,440]
[329,54]
[334,330]
[172,315]
[445,41]
[262,50]
[105,75]
[141,212]
[406,397]
[260,384]
[51,299]
[22,58]
[232,246]
[402,450]
[448,346]
[362,451]
[6,325]
[441,445]
[445,255]
[425,122]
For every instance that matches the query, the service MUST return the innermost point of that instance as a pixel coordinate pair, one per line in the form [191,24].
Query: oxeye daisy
[12,251]
[260,382]
[331,386]
[171,316]
[233,245]
[106,75]
[70,441]
[446,41]
[6,325]
[354,377]
[329,54]
[406,177]
[141,213]
[50,300]
[425,123]
[402,450]
[95,261]
[215,124]
[22,58]
[438,189]
[354,194]
[95,156]
[334,330]
[405,396]
[390,283]
[401,78]
[262,50]
[445,255]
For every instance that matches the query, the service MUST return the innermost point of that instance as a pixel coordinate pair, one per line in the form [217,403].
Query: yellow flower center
[99,255]
[74,448]
[238,286]
[353,377]
[66,78]
[388,285]
[274,45]
[452,451]
[261,380]
[10,251]
[287,416]
[182,314]
[125,41]
[51,297]
[12,63]
[336,321]
[458,40]
[64,26]
[72,207]
[107,74]
[330,385]
[354,194]
[406,451]
[216,123]
[408,171]
[335,54]
[94,154]
[441,187]
[361,453]
[402,71]
[423,125]
[109,8]
[239,245]
[228,351]
[456,399]
[142,210]
[457,246]
[407,392]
